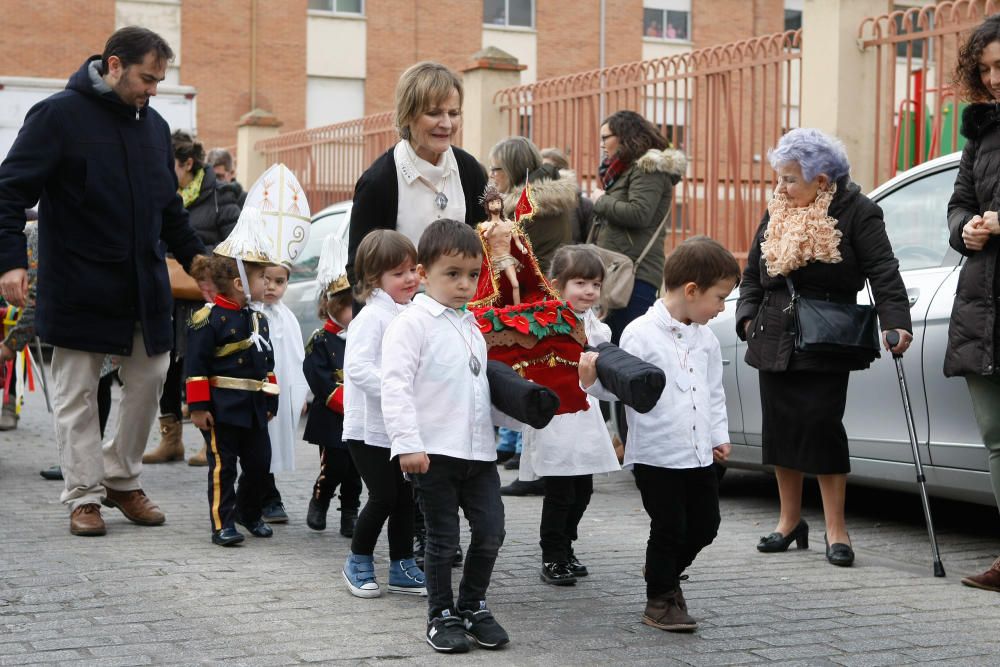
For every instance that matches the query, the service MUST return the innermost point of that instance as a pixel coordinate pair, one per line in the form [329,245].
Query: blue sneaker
[359,573]
[406,577]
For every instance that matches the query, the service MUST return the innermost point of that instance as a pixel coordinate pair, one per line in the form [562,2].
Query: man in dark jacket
[99,161]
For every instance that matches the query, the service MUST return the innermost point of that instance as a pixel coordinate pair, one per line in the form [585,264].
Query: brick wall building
[322,61]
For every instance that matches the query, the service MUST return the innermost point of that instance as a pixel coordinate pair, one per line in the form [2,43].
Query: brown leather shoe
[666,613]
[136,507]
[988,580]
[86,520]
[199,459]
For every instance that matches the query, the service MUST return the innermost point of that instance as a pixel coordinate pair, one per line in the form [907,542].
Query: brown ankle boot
[988,580]
[8,415]
[666,613]
[171,447]
[199,459]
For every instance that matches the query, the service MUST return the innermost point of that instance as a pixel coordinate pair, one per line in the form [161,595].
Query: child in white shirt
[437,409]
[672,447]
[386,269]
[286,343]
[574,445]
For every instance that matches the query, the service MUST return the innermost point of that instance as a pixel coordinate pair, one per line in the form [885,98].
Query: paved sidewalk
[166,595]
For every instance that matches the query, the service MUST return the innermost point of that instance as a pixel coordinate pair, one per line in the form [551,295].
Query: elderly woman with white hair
[823,238]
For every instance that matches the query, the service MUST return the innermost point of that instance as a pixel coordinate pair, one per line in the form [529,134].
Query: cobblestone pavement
[166,595]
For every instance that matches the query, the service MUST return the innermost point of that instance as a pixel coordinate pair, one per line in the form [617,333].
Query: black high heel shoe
[839,553]
[776,542]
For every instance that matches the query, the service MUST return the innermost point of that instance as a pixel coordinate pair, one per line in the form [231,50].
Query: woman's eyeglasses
[605,137]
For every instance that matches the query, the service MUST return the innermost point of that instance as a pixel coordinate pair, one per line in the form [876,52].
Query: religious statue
[498,234]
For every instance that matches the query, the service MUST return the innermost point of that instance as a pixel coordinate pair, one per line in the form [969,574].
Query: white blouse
[417,207]
[690,418]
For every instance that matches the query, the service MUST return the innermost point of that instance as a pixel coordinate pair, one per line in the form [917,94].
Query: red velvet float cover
[542,341]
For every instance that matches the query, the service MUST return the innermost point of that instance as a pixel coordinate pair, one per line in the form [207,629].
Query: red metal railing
[917,112]
[724,106]
[328,160]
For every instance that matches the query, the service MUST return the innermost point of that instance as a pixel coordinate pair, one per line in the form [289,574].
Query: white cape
[286,341]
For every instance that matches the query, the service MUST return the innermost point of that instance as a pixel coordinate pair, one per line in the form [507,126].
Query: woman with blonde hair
[423,177]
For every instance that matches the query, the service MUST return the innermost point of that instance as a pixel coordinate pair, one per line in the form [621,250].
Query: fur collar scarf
[669,161]
[979,118]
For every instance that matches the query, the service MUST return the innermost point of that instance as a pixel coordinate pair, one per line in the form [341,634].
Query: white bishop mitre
[283,205]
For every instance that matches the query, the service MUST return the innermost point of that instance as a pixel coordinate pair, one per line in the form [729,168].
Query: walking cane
[892,337]
[41,373]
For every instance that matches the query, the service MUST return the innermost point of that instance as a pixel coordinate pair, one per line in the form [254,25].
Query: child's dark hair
[221,270]
[699,260]
[333,304]
[576,261]
[447,237]
[380,250]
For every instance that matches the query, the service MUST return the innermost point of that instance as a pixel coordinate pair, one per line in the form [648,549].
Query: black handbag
[828,326]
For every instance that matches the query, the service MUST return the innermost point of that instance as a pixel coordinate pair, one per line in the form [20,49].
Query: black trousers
[473,486]
[170,399]
[390,497]
[268,490]
[251,447]
[336,468]
[566,499]
[104,399]
[683,509]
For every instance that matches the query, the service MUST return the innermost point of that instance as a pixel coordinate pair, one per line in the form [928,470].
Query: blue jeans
[643,296]
[448,485]
[510,441]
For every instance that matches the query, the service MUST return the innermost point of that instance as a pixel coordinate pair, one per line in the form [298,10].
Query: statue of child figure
[499,233]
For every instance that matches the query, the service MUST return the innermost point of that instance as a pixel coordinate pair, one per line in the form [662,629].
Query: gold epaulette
[312,337]
[199,318]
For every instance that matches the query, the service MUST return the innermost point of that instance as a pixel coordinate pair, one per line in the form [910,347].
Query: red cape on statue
[541,338]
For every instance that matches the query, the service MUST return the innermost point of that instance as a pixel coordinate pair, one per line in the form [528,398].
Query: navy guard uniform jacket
[226,373]
[324,371]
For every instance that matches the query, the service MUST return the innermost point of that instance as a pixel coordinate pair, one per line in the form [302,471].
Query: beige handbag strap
[652,240]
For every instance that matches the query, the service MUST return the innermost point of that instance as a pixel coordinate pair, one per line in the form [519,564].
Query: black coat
[971,338]
[104,175]
[376,198]
[218,345]
[214,213]
[866,253]
[324,371]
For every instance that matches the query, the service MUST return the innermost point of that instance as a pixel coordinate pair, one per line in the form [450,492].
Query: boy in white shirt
[672,447]
[437,411]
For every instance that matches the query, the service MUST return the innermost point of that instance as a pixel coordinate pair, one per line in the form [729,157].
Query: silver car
[303,292]
[955,460]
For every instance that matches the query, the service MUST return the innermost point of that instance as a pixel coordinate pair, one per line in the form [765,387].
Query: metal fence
[724,106]
[917,111]
[328,160]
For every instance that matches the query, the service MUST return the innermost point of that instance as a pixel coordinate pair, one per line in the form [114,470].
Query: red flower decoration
[569,317]
[507,318]
[485,326]
[544,319]
[521,323]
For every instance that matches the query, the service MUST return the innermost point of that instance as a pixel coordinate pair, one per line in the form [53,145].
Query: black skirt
[803,421]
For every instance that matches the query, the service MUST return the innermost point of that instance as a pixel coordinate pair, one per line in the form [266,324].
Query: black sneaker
[274,513]
[503,457]
[522,488]
[257,528]
[557,574]
[446,633]
[576,567]
[457,560]
[514,463]
[483,628]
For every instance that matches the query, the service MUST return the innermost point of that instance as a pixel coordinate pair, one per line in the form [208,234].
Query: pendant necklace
[474,364]
[440,198]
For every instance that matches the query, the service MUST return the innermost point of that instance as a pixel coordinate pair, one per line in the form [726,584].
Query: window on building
[339,6]
[515,13]
[909,25]
[667,19]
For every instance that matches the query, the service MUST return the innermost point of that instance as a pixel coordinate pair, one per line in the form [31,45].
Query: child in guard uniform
[231,388]
[324,371]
